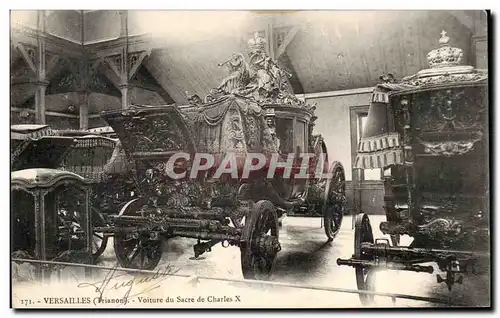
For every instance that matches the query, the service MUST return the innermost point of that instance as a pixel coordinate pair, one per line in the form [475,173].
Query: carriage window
[369,174]
[284,131]
[300,135]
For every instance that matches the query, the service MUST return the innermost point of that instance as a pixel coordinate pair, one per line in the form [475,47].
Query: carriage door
[367,184]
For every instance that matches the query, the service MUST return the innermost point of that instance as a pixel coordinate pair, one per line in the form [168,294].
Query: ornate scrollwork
[449,148]
[158,134]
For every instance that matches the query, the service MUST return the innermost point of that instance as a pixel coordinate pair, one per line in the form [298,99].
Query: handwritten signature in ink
[132,287]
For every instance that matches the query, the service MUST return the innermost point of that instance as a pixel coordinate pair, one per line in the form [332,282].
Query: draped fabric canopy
[231,124]
[380,145]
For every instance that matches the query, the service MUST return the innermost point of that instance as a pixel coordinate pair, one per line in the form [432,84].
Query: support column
[123,23]
[125,99]
[40,70]
[84,110]
[40,102]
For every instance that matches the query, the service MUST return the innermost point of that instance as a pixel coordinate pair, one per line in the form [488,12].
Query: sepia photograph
[250,159]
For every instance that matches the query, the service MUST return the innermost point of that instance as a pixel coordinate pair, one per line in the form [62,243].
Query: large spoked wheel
[260,243]
[364,275]
[136,250]
[99,241]
[138,253]
[335,201]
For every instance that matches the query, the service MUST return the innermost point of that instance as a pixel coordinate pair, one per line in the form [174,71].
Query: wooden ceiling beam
[54,44]
[138,63]
[286,41]
[464,19]
[152,66]
[26,56]
[110,74]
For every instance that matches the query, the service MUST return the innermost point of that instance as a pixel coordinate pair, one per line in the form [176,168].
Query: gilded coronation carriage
[429,132]
[253,110]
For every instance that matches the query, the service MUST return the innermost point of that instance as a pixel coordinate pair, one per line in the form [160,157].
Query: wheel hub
[267,244]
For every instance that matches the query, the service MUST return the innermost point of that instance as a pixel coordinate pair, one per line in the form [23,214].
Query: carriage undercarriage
[373,255]
[250,225]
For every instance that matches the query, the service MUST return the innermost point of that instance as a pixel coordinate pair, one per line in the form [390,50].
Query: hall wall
[334,124]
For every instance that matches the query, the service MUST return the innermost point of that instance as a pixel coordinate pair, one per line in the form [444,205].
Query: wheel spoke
[136,252]
[99,236]
[142,257]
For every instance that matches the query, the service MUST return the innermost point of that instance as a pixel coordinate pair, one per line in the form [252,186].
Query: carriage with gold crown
[429,132]
[179,152]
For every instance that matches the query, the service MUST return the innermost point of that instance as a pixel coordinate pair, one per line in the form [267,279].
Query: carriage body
[439,195]
[207,205]
[38,232]
[102,162]
[429,132]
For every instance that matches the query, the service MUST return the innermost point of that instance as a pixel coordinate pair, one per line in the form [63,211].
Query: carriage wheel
[138,253]
[364,275]
[99,240]
[335,201]
[260,242]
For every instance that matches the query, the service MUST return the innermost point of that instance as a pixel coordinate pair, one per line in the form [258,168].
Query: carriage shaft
[210,215]
[384,265]
[206,235]
[202,229]
[164,221]
[411,253]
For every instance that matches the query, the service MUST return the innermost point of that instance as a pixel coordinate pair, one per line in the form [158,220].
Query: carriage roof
[43,178]
[24,132]
[381,144]
[44,152]
[85,139]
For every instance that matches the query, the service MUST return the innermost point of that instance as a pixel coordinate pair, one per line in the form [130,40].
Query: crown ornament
[257,43]
[445,55]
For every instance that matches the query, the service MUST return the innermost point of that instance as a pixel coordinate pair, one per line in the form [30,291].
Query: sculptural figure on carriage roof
[260,79]
[239,77]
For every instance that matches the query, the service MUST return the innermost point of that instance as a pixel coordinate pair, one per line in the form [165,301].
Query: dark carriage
[102,162]
[36,146]
[251,112]
[38,197]
[430,134]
